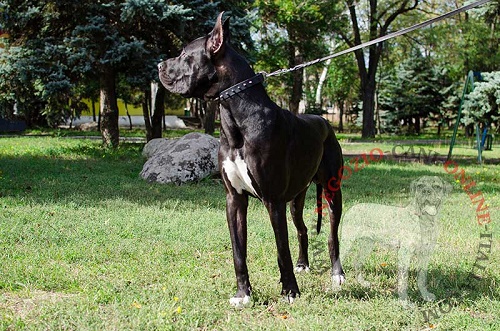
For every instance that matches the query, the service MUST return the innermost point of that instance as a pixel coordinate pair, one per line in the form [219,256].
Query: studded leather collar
[240,87]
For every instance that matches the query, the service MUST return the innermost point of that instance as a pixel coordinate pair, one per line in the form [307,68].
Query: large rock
[88,126]
[190,158]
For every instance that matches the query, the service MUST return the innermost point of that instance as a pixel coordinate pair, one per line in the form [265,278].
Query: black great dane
[265,152]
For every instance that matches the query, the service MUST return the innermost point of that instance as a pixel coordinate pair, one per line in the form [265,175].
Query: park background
[63,59]
[86,244]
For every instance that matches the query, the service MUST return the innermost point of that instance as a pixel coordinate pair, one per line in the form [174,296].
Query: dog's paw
[407,304]
[289,298]
[237,302]
[301,268]
[363,282]
[428,296]
[337,281]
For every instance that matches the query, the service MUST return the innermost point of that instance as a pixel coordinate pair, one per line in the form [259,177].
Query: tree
[79,41]
[483,104]
[105,43]
[379,18]
[143,19]
[342,86]
[34,76]
[293,33]
[412,92]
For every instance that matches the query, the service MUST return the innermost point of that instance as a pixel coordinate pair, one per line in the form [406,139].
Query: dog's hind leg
[335,210]
[296,209]
[328,176]
[365,249]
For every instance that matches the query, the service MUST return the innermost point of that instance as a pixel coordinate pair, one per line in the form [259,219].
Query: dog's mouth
[430,208]
[171,85]
[166,80]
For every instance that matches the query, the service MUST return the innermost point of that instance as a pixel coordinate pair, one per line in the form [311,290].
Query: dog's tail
[319,206]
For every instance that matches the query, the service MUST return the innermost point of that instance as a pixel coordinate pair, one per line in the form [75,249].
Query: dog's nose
[160,66]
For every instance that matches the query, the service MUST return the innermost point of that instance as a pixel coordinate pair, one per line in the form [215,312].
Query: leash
[261,76]
[380,39]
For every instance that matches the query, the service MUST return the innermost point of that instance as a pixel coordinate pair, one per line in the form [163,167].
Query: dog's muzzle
[165,79]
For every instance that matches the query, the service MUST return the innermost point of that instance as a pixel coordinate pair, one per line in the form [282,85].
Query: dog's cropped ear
[447,187]
[413,187]
[219,36]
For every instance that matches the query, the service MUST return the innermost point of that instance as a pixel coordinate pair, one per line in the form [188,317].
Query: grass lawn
[85,244]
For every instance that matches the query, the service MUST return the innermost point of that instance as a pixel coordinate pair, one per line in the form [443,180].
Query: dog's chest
[238,175]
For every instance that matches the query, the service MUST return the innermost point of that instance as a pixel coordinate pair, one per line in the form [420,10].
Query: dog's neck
[253,102]
[226,73]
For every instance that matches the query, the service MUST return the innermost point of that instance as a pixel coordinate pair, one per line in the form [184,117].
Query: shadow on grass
[85,175]
[88,174]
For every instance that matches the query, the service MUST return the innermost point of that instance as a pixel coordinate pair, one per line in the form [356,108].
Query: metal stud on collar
[242,86]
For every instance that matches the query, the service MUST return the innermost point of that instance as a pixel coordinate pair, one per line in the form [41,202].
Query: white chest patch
[237,173]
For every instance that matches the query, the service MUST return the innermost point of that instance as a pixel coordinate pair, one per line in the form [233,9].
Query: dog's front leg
[422,285]
[236,213]
[277,213]
[423,265]
[404,257]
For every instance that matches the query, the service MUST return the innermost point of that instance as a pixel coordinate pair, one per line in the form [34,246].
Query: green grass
[87,245]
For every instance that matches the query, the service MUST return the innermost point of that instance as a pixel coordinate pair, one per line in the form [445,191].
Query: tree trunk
[209,121]
[377,28]
[378,125]
[99,121]
[93,109]
[341,116]
[295,58]
[296,96]
[200,112]
[109,109]
[368,89]
[129,117]
[145,114]
[417,124]
[368,86]
[159,107]
[321,82]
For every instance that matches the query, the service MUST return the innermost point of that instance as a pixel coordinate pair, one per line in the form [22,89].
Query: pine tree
[483,104]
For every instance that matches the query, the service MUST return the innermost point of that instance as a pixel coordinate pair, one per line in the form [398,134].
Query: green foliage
[482,105]
[469,41]
[57,49]
[342,85]
[412,91]
[33,79]
[290,33]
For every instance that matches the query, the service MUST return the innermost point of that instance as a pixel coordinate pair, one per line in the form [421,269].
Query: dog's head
[429,193]
[193,73]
